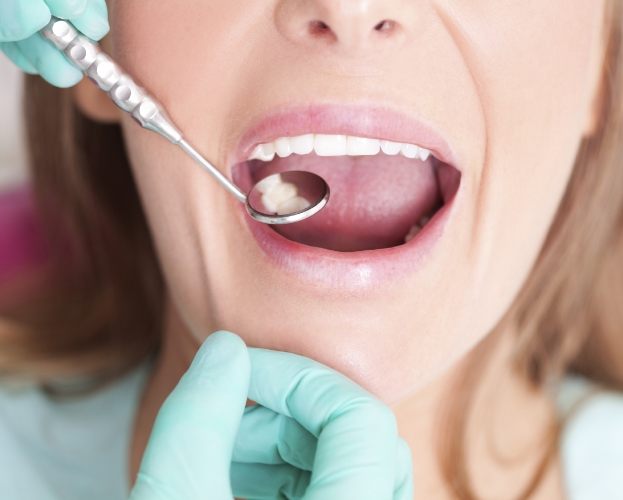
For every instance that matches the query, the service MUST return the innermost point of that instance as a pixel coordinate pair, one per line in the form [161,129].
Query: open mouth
[383,193]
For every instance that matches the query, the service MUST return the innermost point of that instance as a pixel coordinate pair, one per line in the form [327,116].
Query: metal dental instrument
[311,191]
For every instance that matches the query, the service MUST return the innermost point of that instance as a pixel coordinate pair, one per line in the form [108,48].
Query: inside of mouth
[376,201]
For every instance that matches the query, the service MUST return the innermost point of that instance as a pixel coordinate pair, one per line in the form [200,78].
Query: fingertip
[220,333]
[218,375]
[67,9]
[58,71]
[225,338]
[38,17]
[94,28]
[93,22]
[22,22]
[49,62]
[63,77]
[223,347]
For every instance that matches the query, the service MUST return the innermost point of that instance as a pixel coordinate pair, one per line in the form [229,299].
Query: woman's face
[506,87]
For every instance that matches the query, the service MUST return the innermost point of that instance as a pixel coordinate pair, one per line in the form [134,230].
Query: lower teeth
[416,228]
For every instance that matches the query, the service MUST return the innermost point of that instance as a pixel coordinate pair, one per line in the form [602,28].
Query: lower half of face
[465,120]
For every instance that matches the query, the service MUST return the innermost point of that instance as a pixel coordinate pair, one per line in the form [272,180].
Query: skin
[513,87]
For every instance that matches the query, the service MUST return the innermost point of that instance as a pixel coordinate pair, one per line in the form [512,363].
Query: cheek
[194,59]
[187,64]
[535,92]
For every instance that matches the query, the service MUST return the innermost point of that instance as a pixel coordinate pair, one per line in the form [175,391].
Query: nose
[347,25]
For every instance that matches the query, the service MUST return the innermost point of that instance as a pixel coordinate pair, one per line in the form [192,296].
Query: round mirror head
[287,197]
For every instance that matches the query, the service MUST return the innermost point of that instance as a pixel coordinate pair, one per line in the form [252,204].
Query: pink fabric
[21,244]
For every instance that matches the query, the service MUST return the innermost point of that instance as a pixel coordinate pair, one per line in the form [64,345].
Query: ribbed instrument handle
[122,89]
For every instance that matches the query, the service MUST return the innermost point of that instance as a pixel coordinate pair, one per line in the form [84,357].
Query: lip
[356,273]
[351,273]
[379,122]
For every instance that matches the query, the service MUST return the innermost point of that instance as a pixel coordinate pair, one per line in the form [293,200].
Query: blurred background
[22,249]
[12,157]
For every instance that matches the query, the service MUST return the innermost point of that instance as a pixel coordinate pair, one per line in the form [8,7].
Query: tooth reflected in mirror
[287,197]
[278,196]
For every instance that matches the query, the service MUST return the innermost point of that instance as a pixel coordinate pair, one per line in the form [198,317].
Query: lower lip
[350,272]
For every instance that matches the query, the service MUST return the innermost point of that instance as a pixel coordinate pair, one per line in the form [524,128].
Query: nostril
[318,27]
[349,34]
[385,25]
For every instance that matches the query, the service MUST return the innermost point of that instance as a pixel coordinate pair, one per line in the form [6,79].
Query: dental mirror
[281,198]
[277,199]
[287,197]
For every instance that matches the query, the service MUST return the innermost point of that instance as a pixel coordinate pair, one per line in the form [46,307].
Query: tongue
[374,200]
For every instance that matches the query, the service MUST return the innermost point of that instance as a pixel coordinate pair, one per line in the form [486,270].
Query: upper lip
[375,121]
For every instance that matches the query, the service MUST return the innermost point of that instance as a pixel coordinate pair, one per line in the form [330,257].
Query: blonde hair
[98,308]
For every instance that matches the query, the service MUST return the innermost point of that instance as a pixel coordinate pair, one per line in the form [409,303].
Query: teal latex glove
[315,434]
[20,21]
[190,447]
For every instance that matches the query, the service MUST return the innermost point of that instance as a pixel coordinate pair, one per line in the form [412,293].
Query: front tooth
[391,148]
[264,152]
[302,144]
[330,145]
[335,145]
[362,146]
[410,151]
[283,147]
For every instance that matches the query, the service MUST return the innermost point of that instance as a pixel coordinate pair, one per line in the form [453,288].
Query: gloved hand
[315,434]
[20,21]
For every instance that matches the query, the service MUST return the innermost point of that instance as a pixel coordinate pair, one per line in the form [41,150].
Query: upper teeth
[335,145]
